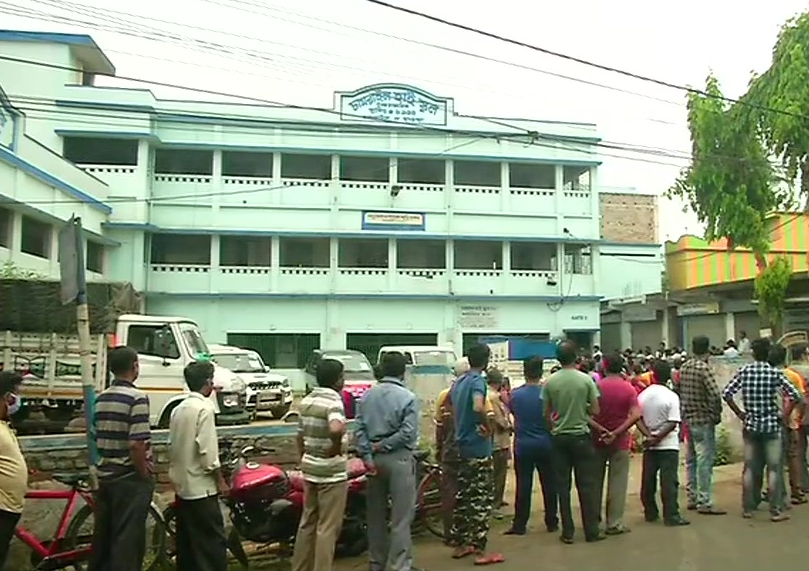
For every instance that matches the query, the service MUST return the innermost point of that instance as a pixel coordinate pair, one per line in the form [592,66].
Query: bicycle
[70,547]
[428,496]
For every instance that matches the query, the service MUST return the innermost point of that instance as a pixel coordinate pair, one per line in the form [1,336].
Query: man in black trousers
[126,484]
[194,470]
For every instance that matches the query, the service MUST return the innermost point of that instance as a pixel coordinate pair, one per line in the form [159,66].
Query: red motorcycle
[266,502]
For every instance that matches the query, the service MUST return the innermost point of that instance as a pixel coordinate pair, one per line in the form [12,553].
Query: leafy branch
[11,271]
[771,288]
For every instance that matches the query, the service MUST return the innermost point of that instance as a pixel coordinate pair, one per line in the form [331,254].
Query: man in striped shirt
[321,428]
[126,485]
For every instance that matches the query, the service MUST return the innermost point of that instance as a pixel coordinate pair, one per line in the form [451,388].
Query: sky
[300,52]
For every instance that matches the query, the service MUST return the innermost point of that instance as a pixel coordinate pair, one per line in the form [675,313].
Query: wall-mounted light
[395,190]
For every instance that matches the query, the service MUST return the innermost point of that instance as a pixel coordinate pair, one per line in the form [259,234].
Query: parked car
[266,391]
[359,374]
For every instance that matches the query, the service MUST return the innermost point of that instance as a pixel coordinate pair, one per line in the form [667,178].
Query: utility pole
[74,290]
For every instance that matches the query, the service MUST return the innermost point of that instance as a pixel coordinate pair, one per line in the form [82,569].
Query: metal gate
[279,350]
[370,343]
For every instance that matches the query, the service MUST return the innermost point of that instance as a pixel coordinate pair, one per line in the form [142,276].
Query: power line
[150,33]
[240,5]
[581,61]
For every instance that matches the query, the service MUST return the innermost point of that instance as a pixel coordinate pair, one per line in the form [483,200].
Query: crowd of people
[575,423]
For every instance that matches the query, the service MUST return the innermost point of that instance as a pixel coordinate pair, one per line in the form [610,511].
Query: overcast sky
[301,51]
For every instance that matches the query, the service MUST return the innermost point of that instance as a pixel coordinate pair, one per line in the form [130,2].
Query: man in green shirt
[571,400]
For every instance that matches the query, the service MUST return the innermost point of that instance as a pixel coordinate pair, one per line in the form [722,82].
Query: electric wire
[582,61]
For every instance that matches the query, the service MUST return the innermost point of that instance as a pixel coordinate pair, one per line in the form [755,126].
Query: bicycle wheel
[429,502]
[80,534]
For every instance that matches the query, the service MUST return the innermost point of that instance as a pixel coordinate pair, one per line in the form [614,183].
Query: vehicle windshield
[240,362]
[193,338]
[436,357]
[352,363]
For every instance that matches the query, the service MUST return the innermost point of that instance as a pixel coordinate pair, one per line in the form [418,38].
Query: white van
[422,355]
[266,391]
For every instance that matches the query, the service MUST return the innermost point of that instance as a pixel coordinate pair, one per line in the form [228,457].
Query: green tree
[778,103]
[732,186]
[770,289]
[730,183]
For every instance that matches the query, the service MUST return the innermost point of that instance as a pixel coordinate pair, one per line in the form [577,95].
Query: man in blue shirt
[532,450]
[473,433]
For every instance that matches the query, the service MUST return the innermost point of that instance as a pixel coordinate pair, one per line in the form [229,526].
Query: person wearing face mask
[13,470]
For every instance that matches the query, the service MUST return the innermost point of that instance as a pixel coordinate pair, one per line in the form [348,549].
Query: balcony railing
[187,278]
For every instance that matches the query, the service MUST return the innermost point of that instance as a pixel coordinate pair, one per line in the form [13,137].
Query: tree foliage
[778,102]
[770,289]
[730,183]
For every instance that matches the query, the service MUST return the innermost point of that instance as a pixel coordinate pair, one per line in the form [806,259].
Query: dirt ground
[710,542]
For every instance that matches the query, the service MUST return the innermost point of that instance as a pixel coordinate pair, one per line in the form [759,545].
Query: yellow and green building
[709,290]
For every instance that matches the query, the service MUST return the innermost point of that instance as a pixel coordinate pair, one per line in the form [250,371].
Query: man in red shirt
[619,411]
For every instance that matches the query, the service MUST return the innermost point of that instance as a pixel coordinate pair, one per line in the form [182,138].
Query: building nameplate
[400,221]
[478,317]
[394,104]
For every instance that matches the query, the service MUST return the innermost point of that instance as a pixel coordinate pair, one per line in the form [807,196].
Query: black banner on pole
[71,262]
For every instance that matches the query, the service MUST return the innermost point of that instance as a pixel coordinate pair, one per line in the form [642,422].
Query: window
[240,163]
[95,257]
[180,249]
[279,350]
[421,254]
[576,177]
[365,169]
[422,171]
[478,255]
[6,227]
[304,252]
[99,151]
[359,253]
[36,237]
[153,340]
[477,173]
[533,256]
[577,259]
[314,167]
[532,175]
[183,161]
[246,251]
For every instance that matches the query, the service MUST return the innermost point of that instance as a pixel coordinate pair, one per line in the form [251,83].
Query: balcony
[168,278]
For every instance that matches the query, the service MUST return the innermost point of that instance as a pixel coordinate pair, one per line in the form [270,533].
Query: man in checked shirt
[762,387]
[701,405]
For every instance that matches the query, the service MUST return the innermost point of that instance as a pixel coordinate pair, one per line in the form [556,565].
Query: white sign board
[393,104]
[478,317]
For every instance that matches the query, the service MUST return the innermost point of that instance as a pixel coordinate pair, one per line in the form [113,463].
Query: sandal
[779,517]
[490,559]
[461,552]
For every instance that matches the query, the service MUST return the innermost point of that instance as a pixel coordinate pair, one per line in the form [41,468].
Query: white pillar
[16,233]
[275,262]
[730,326]
[559,198]
[626,334]
[505,184]
[665,325]
[392,264]
[216,180]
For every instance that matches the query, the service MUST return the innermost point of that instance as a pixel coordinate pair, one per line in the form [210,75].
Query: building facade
[386,219]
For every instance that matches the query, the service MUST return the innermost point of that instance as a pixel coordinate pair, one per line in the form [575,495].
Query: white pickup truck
[51,369]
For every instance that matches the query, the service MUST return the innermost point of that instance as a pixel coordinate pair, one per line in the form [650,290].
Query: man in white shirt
[660,425]
[194,471]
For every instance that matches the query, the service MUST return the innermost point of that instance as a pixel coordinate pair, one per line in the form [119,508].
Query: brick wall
[629,218]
